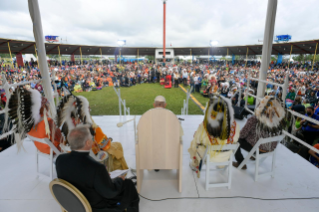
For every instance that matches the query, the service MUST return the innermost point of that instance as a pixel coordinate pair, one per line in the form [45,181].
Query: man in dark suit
[92,178]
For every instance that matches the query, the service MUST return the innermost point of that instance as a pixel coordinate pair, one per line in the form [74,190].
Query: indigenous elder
[218,128]
[74,111]
[267,121]
[29,112]
[92,178]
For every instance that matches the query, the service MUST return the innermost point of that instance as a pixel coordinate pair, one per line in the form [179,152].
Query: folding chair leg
[37,162]
[257,164]
[207,171]
[273,164]
[230,170]
[51,161]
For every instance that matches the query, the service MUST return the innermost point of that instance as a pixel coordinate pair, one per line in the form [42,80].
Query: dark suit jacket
[90,177]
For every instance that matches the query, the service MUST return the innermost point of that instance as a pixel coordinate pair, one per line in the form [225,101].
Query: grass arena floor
[139,99]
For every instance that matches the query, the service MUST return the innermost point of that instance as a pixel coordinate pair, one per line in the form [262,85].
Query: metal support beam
[59,57]
[75,50]
[290,56]
[53,48]
[25,47]
[314,56]
[10,53]
[275,51]
[81,56]
[251,50]
[246,57]
[98,50]
[4,43]
[267,45]
[301,48]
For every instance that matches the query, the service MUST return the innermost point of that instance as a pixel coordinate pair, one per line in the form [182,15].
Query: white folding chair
[260,158]
[227,164]
[50,156]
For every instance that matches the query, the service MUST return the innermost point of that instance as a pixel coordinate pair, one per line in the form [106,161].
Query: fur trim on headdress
[271,117]
[84,111]
[36,99]
[219,129]
[24,112]
[66,106]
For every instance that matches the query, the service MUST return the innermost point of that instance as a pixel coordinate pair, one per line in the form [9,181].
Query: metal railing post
[124,105]
[239,97]
[120,102]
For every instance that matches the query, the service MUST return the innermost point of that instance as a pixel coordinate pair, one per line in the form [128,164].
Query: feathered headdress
[24,111]
[71,111]
[219,116]
[271,116]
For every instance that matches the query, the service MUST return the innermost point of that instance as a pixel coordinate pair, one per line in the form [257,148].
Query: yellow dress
[201,140]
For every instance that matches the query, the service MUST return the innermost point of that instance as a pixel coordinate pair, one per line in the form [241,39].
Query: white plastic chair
[50,156]
[260,158]
[228,164]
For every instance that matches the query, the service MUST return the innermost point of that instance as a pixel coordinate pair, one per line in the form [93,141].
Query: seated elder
[217,128]
[268,121]
[92,178]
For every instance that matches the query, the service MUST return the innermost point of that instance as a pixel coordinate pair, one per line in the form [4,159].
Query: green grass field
[203,100]
[138,98]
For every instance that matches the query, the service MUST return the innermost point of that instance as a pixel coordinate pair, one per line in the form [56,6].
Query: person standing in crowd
[310,130]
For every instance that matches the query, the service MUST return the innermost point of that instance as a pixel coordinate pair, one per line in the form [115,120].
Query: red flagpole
[164,31]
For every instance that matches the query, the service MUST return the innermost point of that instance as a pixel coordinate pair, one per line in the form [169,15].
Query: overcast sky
[140,22]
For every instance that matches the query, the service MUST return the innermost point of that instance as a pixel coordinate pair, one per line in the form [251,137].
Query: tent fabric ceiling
[28,47]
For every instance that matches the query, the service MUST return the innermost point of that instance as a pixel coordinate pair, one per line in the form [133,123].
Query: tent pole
[34,10]
[267,46]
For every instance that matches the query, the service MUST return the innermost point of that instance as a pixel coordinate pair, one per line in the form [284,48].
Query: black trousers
[244,145]
[128,199]
[310,137]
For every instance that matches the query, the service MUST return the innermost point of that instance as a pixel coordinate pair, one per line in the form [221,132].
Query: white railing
[185,104]
[284,93]
[6,86]
[126,110]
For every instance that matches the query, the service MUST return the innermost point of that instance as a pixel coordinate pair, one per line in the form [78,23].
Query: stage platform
[22,191]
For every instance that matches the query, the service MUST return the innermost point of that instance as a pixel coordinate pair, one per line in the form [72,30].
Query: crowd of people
[207,78]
